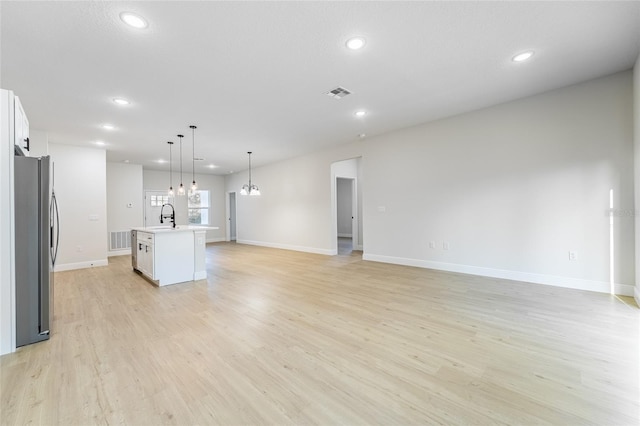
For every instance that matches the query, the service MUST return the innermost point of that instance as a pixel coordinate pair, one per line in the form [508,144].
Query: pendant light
[170,170]
[181,188]
[249,189]
[194,186]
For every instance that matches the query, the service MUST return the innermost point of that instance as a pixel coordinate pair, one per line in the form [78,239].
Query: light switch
[382,209]
[94,217]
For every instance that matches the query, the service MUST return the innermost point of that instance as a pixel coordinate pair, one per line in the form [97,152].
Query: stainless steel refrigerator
[36,237]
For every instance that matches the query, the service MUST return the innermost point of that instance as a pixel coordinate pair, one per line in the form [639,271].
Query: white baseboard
[216,240]
[576,283]
[119,252]
[80,265]
[289,247]
[358,247]
[636,295]
[345,235]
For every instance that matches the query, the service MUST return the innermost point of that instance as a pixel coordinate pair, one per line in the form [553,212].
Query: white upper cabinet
[21,124]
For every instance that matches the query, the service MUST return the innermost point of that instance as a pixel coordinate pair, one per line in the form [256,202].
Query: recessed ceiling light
[362,135]
[213,166]
[161,161]
[360,113]
[133,20]
[521,57]
[108,126]
[125,161]
[356,43]
[121,101]
[100,143]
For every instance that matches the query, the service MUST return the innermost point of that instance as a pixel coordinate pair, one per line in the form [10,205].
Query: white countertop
[178,228]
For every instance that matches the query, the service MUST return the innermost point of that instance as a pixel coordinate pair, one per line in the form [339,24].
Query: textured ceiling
[253,75]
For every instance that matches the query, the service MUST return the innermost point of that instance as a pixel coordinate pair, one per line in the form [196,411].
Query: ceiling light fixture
[521,57]
[356,43]
[100,143]
[194,186]
[108,126]
[360,113]
[133,20]
[181,187]
[161,161]
[121,101]
[170,170]
[249,189]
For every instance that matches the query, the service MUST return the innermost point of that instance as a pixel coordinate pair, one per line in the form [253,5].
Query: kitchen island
[167,255]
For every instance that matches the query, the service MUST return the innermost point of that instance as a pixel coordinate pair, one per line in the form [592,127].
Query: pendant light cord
[193,152]
[249,170]
[170,166]
[181,136]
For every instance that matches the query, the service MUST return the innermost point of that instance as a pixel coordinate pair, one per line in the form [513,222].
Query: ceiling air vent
[338,93]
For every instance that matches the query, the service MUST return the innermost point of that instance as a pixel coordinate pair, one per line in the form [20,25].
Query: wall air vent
[119,240]
[338,93]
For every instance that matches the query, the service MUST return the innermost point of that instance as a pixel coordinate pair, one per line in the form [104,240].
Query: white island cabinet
[168,255]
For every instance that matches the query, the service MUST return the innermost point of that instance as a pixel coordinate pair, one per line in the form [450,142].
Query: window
[198,205]
[159,200]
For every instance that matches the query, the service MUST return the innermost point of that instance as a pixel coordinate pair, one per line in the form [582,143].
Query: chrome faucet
[171,216]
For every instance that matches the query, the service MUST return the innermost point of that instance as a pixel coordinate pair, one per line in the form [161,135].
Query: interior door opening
[153,201]
[231,215]
[346,206]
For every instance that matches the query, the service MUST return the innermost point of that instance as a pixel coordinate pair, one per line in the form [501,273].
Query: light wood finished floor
[280,337]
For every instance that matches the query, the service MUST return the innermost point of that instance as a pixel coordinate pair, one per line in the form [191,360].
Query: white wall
[38,143]
[159,181]
[344,199]
[124,189]
[81,191]
[636,138]
[295,209]
[512,189]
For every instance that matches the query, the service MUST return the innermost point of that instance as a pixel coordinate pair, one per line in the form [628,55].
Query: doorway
[231,215]
[153,202]
[346,215]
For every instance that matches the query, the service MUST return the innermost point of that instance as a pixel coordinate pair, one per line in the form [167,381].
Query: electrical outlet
[432,244]
[445,245]
[573,255]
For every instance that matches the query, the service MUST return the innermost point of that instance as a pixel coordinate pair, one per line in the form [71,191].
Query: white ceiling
[253,75]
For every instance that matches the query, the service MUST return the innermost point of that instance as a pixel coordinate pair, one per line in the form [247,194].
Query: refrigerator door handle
[55,223]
